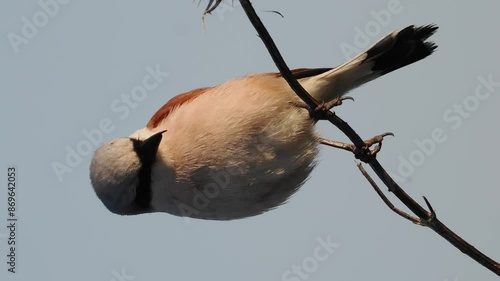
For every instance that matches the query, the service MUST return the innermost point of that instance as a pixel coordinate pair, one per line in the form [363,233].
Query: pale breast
[238,150]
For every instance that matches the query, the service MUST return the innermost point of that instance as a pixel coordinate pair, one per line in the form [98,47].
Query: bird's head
[120,173]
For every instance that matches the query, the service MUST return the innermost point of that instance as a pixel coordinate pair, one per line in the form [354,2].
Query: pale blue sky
[71,73]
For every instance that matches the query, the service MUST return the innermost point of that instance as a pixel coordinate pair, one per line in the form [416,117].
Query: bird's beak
[148,148]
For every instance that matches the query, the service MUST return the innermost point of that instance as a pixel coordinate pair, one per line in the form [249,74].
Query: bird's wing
[178,100]
[300,73]
[175,102]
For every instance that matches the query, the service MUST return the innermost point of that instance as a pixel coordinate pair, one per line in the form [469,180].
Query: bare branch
[276,56]
[362,151]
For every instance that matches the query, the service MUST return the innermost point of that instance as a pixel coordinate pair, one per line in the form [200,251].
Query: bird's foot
[321,111]
[365,153]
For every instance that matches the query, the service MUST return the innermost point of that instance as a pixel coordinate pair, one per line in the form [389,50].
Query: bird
[240,148]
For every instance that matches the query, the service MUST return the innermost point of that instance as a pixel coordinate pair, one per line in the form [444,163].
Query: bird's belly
[235,192]
[243,175]
[249,189]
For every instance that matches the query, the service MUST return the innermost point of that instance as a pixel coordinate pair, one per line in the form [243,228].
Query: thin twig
[211,6]
[276,12]
[428,219]
[391,206]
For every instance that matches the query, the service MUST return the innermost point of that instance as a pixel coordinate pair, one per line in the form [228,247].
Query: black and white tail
[392,52]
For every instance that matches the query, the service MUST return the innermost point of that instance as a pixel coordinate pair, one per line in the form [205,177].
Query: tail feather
[392,52]
[402,48]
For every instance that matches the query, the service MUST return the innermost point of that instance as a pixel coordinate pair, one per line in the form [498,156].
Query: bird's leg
[365,153]
[320,112]
[337,144]
[326,106]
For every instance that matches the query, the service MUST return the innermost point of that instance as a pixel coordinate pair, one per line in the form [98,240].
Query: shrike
[240,148]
